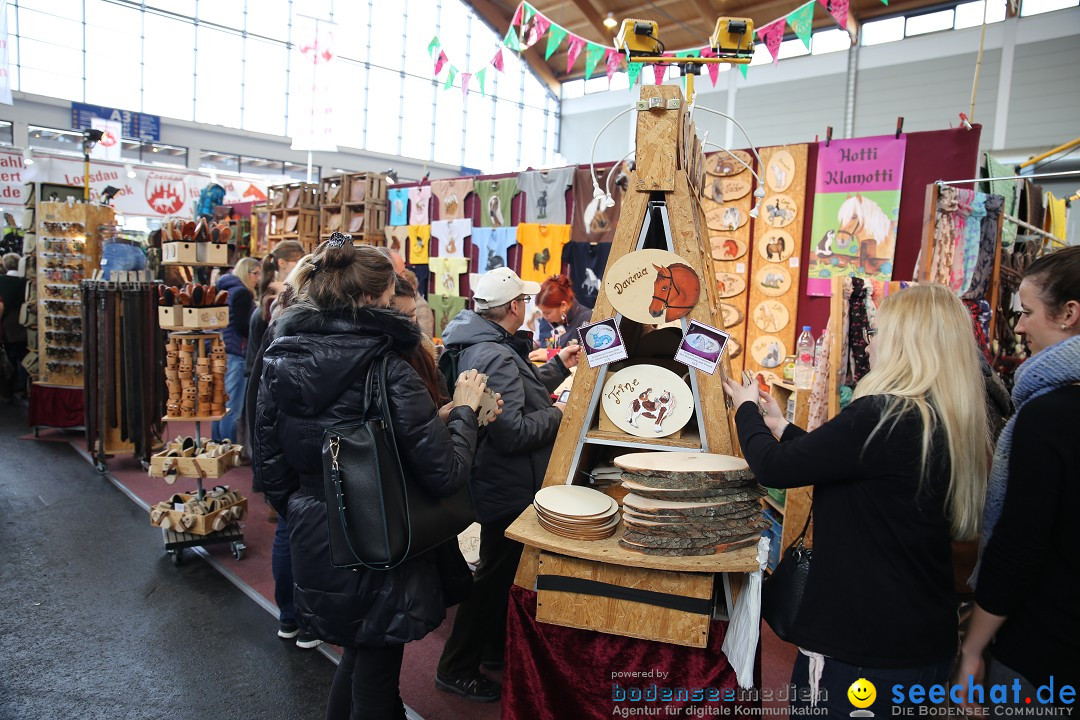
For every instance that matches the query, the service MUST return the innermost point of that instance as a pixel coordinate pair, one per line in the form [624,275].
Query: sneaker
[306,641]
[287,630]
[493,665]
[478,688]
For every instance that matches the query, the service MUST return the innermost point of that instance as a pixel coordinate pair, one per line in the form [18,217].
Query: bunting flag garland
[612,59]
[528,14]
[555,37]
[440,61]
[481,77]
[838,9]
[772,34]
[517,15]
[743,68]
[713,68]
[497,61]
[512,41]
[450,78]
[433,46]
[539,28]
[801,21]
[593,53]
[576,46]
[660,72]
[465,77]
[633,71]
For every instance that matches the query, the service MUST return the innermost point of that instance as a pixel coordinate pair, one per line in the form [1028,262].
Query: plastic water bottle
[804,360]
[817,352]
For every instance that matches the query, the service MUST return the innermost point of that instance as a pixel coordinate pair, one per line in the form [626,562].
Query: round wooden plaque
[727,189]
[724,163]
[776,245]
[648,401]
[773,280]
[725,219]
[768,351]
[731,314]
[729,284]
[771,316]
[733,349]
[573,500]
[781,171]
[673,463]
[779,211]
[652,286]
[727,248]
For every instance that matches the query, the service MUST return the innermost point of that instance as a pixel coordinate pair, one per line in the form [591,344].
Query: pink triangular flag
[517,14]
[576,46]
[659,73]
[465,77]
[838,9]
[497,61]
[772,34]
[714,68]
[613,60]
[440,61]
[538,29]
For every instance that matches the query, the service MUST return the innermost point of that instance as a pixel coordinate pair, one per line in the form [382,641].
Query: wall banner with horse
[856,206]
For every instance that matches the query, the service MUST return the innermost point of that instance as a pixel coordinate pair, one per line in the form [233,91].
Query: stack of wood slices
[688,503]
[576,512]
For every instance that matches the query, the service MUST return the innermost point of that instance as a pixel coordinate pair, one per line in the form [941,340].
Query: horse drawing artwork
[493,261]
[862,218]
[449,282]
[495,211]
[540,260]
[657,409]
[675,291]
[765,318]
[777,246]
[595,215]
[779,213]
[732,218]
[772,280]
[592,282]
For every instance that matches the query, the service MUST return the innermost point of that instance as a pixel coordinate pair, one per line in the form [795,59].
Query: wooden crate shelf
[368,220]
[365,188]
[332,191]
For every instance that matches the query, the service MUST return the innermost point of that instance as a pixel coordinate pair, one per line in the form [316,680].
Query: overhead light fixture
[27,158]
[391,176]
[129,170]
[108,194]
[610,22]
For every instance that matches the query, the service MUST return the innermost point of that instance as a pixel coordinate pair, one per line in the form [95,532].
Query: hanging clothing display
[495,198]
[492,244]
[420,205]
[450,235]
[944,236]
[1009,192]
[818,413]
[972,238]
[396,237]
[419,241]
[423,278]
[541,250]
[445,308]
[593,220]
[451,195]
[858,325]
[545,194]
[1055,215]
[447,273]
[399,206]
[988,240]
[587,263]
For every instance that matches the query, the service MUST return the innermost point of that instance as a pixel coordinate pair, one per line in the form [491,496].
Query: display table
[53,406]
[556,673]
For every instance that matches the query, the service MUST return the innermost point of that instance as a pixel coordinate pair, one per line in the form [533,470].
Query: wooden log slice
[736,493]
[648,506]
[692,481]
[669,541]
[669,463]
[686,552]
[698,529]
[705,520]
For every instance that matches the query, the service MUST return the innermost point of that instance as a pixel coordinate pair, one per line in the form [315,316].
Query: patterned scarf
[1054,367]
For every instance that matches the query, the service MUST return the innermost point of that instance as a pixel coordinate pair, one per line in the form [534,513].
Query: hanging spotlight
[610,22]
[28,159]
[129,170]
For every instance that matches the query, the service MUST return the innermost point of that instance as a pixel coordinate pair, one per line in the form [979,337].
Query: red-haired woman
[559,307]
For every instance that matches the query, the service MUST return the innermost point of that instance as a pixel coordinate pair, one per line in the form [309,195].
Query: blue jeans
[281,568]
[234,387]
[837,677]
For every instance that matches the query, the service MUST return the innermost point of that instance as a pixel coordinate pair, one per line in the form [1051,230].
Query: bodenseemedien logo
[862,694]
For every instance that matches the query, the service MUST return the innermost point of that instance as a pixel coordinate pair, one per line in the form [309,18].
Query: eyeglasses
[871,332]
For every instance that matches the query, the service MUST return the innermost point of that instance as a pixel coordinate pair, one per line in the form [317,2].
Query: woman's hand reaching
[470,386]
[774,416]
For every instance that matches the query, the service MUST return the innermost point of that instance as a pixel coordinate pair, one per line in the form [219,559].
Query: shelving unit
[364,215]
[260,230]
[294,214]
[331,206]
[791,506]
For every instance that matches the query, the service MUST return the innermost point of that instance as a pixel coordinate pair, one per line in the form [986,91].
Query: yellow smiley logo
[862,693]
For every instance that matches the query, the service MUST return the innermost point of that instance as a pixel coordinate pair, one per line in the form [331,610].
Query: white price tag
[740,268]
[793,262]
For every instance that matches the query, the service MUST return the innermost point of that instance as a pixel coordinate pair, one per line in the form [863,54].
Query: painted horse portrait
[675,291]
[863,219]
[656,410]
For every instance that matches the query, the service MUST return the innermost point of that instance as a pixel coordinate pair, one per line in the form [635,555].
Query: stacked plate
[689,503]
[576,512]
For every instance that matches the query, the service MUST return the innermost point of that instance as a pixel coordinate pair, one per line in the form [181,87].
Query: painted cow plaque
[648,401]
[652,286]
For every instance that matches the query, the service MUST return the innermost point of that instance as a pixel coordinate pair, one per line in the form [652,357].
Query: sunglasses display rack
[68,250]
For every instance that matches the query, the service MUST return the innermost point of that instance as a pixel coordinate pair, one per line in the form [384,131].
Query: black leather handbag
[377,517]
[782,591]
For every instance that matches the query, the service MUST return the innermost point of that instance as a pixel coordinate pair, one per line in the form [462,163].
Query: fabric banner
[572,52]
[313,96]
[555,37]
[772,35]
[856,207]
[838,9]
[153,192]
[5,63]
[802,22]
[593,54]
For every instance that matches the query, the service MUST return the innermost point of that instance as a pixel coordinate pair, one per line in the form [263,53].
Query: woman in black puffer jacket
[313,379]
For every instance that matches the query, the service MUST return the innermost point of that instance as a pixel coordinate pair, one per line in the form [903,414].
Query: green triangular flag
[528,13]
[801,21]
[593,54]
[433,45]
[742,69]
[556,35]
[633,70]
[450,75]
[689,53]
[480,77]
[512,40]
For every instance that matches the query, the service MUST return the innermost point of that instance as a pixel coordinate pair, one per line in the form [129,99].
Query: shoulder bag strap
[797,542]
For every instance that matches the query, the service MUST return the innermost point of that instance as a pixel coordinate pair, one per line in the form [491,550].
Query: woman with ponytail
[561,309]
[897,474]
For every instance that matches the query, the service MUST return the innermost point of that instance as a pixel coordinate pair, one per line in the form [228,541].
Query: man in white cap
[508,469]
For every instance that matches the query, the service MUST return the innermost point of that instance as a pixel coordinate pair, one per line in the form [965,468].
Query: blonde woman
[896,475]
[241,284]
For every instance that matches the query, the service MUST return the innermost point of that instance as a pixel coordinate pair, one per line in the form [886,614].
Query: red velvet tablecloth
[561,673]
[56,407]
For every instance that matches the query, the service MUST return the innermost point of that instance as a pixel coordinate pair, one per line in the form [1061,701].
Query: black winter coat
[307,386]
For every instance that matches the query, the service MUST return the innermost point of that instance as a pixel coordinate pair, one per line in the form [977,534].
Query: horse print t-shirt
[587,262]
[593,221]
[447,273]
[399,206]
[451,194]
[419,205]
[491,245]
[541,250]
[495,197]
[419,240]
[545,194]
[451,235]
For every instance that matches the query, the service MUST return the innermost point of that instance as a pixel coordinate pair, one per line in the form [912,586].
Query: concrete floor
[96,622]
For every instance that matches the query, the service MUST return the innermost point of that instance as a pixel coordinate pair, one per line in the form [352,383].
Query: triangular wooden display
[661,210]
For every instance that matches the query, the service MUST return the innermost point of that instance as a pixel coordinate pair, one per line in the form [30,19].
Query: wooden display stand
[364,199]
[331,206]
[294,214]
[663,192]
[260,230]
[795,505]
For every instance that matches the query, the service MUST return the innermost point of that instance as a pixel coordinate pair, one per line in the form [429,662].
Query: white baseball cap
[500,286]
